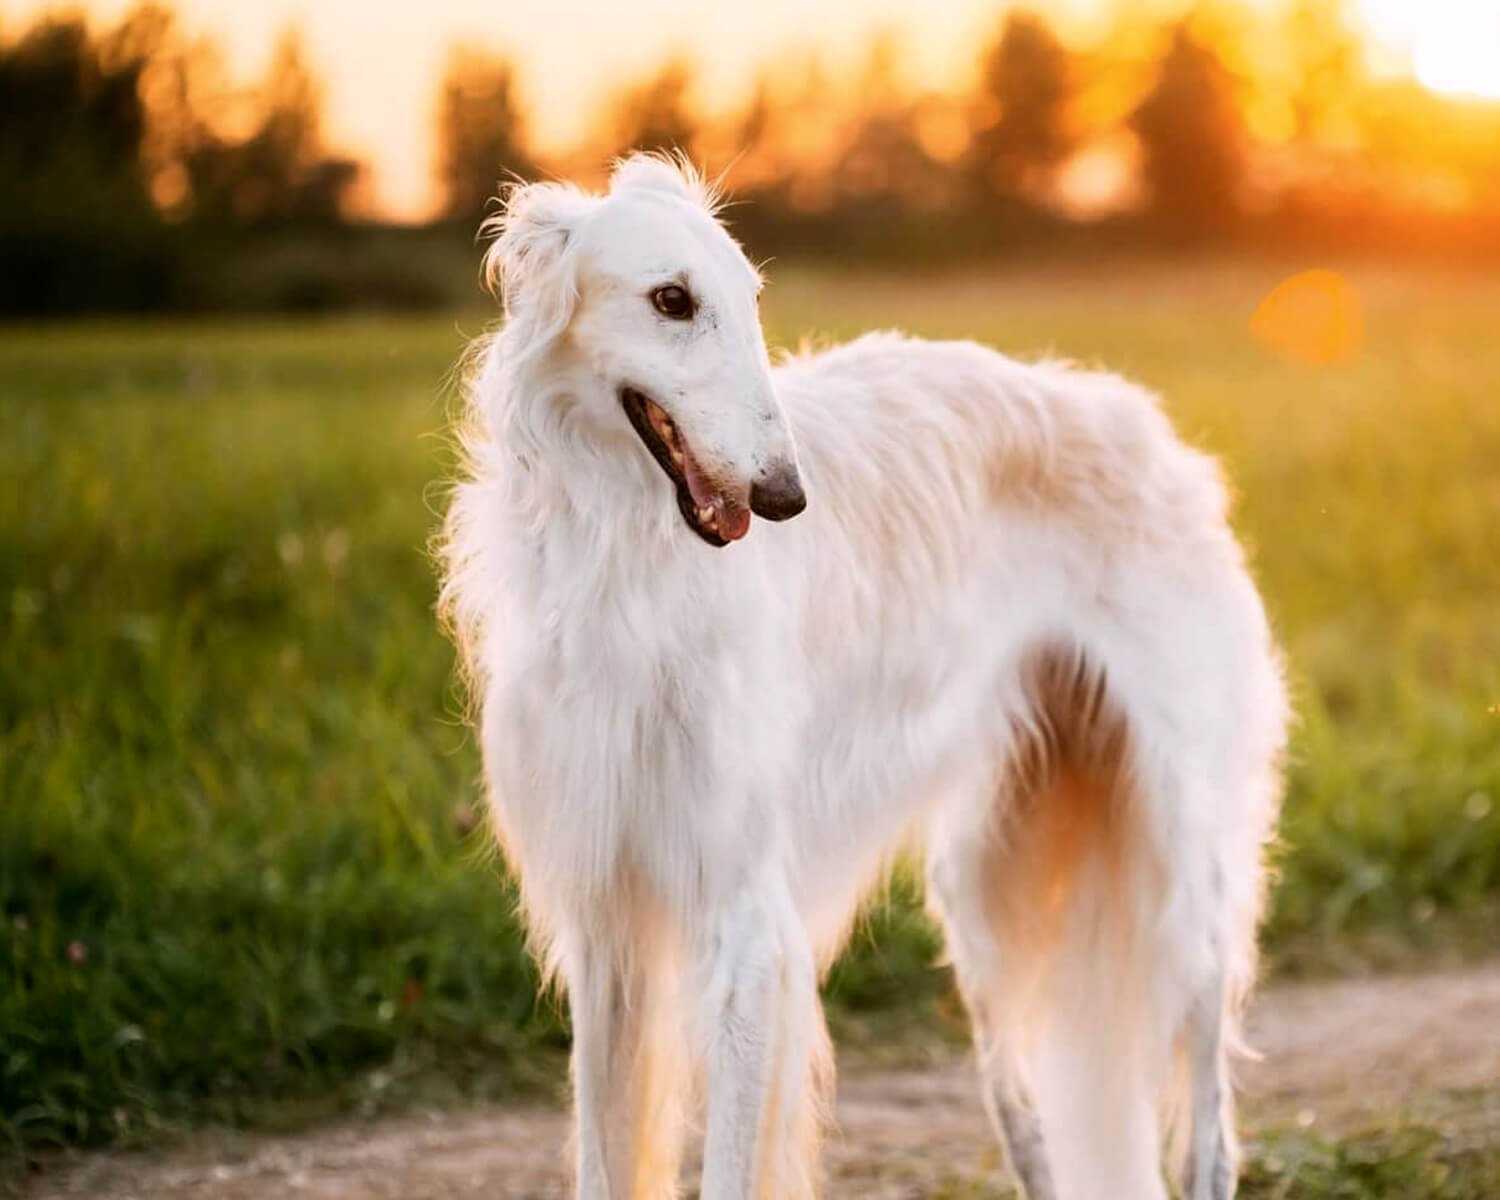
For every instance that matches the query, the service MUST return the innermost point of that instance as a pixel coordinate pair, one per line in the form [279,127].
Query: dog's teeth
[705,515]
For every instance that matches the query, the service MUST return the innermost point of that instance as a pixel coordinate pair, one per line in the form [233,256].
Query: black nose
[779,496]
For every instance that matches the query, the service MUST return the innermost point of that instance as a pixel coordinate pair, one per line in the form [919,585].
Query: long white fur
[698,759]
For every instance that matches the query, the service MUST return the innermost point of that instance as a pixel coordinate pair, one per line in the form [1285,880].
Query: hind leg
[1210,1173]
[1215,907]
[956,870]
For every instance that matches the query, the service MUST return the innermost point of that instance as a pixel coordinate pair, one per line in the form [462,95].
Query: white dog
[1012,619]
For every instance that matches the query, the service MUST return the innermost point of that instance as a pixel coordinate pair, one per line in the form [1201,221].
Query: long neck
[568,477]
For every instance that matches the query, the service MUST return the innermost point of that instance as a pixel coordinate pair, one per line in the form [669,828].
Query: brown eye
[673,301]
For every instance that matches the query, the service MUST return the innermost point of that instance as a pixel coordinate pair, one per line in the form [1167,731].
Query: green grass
[1407,1163]
[237,863]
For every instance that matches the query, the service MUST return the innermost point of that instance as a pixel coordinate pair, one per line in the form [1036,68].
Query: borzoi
[1012,620]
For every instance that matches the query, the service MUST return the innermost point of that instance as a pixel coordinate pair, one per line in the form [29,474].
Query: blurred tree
[69,106]
[1328,70]
[781,142]
[749,140]
[653,114]
[1021,132]
[77,225]
[481,134]
[1192,141]
[279,174]
[883,161]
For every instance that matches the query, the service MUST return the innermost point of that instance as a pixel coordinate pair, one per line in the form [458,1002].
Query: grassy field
[238,865]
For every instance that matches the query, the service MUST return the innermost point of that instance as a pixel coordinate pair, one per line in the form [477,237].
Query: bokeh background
[242,870]
[318,156]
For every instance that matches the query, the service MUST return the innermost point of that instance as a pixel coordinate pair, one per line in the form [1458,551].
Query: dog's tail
[1075,918]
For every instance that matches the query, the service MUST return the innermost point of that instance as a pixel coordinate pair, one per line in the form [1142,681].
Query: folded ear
[660,171]
[529,263]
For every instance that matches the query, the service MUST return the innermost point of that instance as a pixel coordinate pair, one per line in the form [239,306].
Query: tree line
[139,175]
[129,161]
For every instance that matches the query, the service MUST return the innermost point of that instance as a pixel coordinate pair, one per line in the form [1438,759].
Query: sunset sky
[381,62]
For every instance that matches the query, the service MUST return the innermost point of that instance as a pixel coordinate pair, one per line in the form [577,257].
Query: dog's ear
[529,265]
[672,173]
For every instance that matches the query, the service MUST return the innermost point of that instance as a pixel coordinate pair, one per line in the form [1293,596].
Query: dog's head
[643,294]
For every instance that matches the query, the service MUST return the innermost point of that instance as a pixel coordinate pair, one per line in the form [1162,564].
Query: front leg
[627,1077]
[766,1049]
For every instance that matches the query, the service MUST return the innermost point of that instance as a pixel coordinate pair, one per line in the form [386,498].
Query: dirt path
[1336,1056]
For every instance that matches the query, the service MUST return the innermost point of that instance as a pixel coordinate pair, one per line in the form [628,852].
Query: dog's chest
[648,681]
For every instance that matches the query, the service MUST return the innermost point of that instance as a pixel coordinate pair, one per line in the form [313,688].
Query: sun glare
[1454,45]
[1463,60]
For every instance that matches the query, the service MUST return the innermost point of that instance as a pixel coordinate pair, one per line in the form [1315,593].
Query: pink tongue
[734,522]
[733,518]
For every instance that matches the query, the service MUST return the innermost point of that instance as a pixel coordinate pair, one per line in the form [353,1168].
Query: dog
[1012,623]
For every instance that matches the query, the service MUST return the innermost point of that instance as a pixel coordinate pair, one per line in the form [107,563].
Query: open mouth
[712,511]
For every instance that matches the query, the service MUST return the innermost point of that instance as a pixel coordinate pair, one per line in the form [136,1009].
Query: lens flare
[1314,317]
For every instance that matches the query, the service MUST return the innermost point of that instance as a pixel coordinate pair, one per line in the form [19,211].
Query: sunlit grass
[237,862]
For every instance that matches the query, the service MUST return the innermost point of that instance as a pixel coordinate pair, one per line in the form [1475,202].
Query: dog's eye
[673,301]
